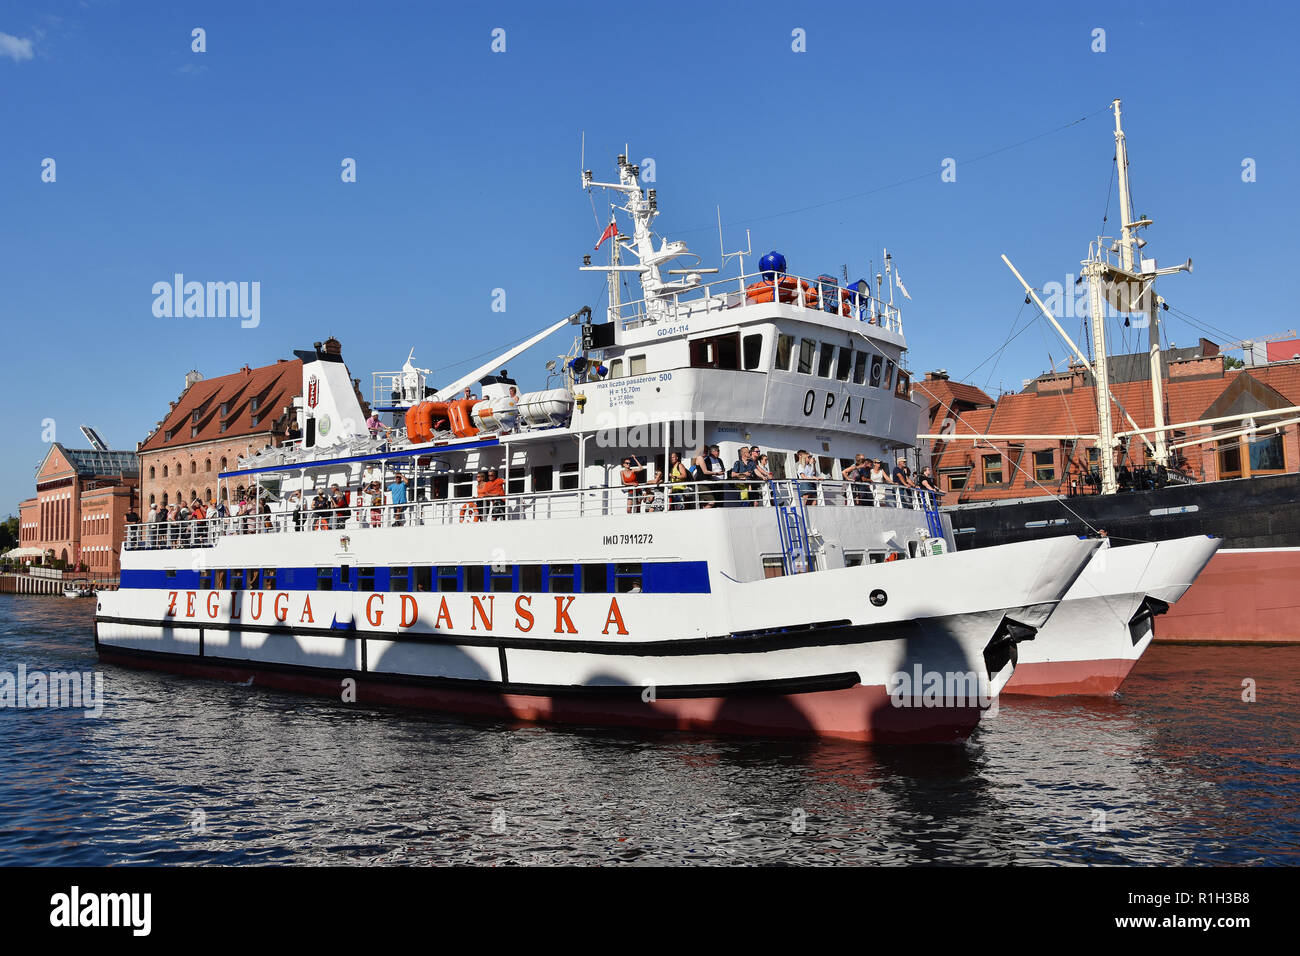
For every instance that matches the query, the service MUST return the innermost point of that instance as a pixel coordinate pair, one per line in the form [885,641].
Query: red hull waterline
[860,713]
[1100,678]
[1241,596]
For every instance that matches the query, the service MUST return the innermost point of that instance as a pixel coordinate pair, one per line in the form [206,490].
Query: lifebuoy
[469,508]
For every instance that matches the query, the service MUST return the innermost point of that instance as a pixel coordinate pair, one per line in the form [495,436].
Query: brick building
[213,422]
[1197,385]
[79,512]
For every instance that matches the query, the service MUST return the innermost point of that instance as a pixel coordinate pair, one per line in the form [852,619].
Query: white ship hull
[806,654]
[1107,619]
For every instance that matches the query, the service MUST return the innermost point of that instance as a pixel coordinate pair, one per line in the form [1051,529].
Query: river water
[1177,770]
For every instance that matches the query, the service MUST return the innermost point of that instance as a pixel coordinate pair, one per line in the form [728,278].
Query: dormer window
[252,405]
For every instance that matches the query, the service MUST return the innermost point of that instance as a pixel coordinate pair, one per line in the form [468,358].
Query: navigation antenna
[740,255]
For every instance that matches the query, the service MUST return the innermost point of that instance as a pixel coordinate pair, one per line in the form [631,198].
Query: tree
[9,534]
[1230,362]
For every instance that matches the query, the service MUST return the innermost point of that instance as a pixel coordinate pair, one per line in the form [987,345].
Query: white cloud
[14,48]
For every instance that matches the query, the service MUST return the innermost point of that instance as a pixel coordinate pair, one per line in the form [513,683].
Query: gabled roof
[198,414]
[91,463]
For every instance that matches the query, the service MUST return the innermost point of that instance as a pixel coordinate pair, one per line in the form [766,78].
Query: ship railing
[534,506]
[818,295]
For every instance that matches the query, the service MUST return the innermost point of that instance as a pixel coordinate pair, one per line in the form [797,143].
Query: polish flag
[610,232]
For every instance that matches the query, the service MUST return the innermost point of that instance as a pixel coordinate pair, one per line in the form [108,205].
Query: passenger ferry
[794,605]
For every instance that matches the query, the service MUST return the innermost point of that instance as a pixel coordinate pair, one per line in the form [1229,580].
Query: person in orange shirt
[495,489]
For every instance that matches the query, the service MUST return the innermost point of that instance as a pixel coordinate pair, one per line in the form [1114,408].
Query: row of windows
[840,362]
[596,578]
[194,466]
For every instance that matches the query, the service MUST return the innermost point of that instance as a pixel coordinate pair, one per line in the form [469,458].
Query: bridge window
[845,364]
[807,348]
[784,352]
[889,373]
[716,351]
[825,360]
[877,367]
[753,349]
[859,368]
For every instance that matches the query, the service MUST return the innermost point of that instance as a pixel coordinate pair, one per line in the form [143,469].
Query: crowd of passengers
[698,482]
[705,482]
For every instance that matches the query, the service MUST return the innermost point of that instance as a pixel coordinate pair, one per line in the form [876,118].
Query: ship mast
[1128,244]
[1129,282]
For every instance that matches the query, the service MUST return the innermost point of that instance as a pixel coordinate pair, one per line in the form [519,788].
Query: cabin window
[877,557]
[448,577]
[502,577]
[853,559]
[205,579]
[616,368]
[845,365]
[773,566]
[860,368]
[1044,465]
[716,351]
[825,359]
[753,351]
[221,579]
[784,352]
[560,579]
[365,579]
[543,478]
[475,578]
[268,578]
[324,579]
[636,365]
[399,579]
[877,367]
[595,578]
[807,348]
[254,579]
[992,469]
[569,476]
[627,577]
[776,465]
[530,577]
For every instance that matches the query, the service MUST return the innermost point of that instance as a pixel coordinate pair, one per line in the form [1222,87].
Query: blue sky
[225,166]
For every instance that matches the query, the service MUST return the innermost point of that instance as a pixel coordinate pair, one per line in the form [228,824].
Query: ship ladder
[792,523]
[932,520]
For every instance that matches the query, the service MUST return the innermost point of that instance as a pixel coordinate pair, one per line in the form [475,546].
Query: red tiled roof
[945,393]
[274,387]
[1073,411]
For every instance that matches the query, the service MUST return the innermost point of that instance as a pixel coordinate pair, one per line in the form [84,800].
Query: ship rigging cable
[901,182]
